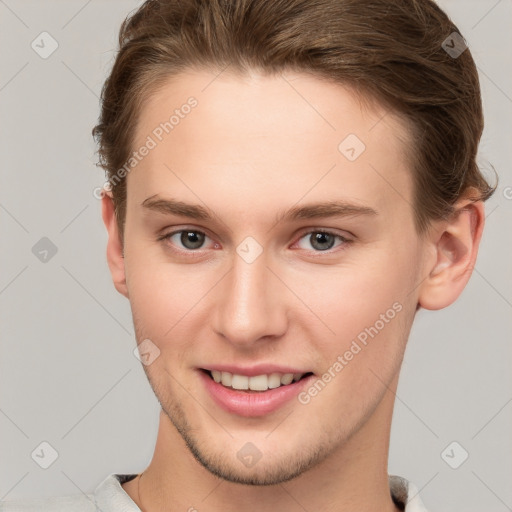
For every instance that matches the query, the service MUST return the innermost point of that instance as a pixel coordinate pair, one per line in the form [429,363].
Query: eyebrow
[309,211]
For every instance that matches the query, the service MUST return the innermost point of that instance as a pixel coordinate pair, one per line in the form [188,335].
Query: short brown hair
[391,51]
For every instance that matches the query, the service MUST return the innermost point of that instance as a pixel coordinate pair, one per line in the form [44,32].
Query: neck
[353,477]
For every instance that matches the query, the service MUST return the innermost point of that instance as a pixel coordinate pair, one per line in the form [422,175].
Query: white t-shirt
[109,496]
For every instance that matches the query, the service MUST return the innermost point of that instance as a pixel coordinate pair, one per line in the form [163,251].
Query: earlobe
[115,256]
[455,246]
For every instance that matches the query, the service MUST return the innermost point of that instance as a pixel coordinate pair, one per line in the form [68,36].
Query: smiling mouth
[257,383]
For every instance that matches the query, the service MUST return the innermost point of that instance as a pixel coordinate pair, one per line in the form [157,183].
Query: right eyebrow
[174,207]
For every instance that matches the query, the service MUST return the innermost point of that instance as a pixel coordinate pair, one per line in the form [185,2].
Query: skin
[253,147]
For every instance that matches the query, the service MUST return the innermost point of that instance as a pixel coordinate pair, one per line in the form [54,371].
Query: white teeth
[274,380]
[287,378]
[240,382]
[226,378]
[255,383]
[258,383]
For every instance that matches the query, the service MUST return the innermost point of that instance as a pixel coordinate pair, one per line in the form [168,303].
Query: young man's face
[252,292]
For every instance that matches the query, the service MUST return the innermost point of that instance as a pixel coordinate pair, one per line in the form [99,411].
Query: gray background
[68,375]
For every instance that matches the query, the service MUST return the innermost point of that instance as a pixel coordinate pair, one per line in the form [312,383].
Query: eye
[190,239]
[322,240]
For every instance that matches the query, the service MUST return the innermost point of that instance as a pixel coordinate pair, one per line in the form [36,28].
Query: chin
[263,473]
[248,465]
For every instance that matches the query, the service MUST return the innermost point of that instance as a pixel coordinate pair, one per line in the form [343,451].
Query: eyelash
[345,241]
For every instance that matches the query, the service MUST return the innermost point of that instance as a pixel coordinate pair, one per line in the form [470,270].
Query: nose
[250,303]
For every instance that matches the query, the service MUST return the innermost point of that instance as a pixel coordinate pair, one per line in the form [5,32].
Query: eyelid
[331,231]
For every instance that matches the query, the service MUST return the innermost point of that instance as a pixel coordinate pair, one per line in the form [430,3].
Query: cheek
[354,298]
[360,361]
[366,310]
[166,299]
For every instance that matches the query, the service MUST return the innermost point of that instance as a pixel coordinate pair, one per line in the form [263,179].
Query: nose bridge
[248,304]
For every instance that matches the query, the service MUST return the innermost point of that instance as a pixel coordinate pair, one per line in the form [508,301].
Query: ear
[454,243]
[115,256]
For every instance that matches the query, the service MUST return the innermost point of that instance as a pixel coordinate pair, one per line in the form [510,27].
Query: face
[270,232]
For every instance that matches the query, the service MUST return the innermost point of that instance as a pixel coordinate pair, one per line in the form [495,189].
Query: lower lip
[250,404]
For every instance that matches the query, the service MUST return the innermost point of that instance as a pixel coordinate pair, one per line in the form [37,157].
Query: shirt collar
[110,496]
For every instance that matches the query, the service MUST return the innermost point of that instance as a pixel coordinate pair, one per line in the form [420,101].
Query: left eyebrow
[324,210]
[308,211]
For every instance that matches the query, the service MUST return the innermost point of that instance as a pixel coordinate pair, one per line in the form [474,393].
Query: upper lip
[252,371]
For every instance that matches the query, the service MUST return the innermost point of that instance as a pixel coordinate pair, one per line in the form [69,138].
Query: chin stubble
[218,465]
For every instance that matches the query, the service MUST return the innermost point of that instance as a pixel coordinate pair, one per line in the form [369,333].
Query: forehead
[264,139]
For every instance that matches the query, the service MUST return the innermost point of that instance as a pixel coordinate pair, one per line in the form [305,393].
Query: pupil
[320,238]
[191,239]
